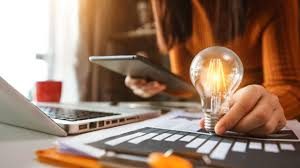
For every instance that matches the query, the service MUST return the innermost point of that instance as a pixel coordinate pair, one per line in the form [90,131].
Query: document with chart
[180,132]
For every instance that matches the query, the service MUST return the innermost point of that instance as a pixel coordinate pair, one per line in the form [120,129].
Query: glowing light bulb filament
[216,73]
[215,77]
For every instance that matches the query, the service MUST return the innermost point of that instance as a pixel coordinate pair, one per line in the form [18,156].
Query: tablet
[141,67]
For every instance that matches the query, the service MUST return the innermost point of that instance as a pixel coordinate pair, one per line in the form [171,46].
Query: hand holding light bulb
[216,73]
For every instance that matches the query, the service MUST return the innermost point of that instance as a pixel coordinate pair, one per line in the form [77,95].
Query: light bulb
[216,73]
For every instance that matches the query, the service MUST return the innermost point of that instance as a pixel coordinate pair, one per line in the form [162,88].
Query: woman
[265,34]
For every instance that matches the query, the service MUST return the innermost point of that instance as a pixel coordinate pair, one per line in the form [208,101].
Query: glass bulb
[216,72]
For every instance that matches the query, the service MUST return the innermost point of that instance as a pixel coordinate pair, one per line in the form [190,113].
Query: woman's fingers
[257,117]
[143,88]
[281,124]
[133,83]
[153,87]
[255,111]
[150,89]
[244,101]
[259,120]
[282,119]
[201,123]
[267,128]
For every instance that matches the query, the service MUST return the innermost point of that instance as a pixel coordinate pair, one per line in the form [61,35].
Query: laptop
[63,120]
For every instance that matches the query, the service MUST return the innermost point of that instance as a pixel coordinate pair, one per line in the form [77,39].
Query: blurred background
[52,40]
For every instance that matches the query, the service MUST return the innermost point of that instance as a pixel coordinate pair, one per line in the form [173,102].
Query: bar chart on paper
[229,151]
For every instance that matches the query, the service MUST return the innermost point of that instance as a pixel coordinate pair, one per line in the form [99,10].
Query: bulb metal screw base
[210,121]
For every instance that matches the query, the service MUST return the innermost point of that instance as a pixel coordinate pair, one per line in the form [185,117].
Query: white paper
[286,146]
[174,137]
[195,143]
[142,138]
[239,146]
[187,138]
[255,145]
[221,151]
[207,147]
[117,141]
[176,120]
[161,136]
[271,147]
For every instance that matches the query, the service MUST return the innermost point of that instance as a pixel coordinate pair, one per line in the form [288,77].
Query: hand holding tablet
[144,88]
[141,70]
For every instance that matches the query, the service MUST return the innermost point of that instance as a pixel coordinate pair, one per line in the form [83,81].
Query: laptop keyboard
[71,114]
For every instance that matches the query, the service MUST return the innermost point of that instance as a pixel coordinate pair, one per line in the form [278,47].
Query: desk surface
[18,145]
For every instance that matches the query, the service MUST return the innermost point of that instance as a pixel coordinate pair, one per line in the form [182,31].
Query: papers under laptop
[179,131]
[63,120]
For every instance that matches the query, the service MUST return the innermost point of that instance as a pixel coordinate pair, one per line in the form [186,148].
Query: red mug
[48,91]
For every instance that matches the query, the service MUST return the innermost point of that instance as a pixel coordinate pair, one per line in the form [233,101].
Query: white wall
[30,27]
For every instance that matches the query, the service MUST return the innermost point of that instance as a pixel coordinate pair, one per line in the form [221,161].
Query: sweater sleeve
[281,59]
